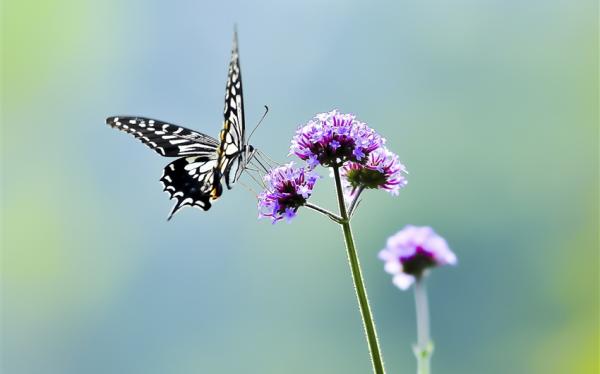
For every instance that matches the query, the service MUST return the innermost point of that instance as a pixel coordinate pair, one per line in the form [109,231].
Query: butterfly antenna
[259,122]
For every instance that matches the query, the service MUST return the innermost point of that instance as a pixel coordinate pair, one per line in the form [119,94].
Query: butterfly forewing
[165,138]
[232,135]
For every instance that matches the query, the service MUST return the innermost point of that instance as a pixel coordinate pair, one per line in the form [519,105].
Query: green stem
[424,348]
[354,202]
[359,285]
[324,212]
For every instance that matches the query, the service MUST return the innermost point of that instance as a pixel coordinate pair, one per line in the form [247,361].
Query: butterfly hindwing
[165,138]
[190,181]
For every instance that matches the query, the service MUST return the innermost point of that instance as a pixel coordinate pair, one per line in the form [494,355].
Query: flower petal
[403,281]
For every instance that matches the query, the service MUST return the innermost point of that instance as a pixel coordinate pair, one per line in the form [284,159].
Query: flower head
[381,170]
[287,189]
[333,138]
[411,251]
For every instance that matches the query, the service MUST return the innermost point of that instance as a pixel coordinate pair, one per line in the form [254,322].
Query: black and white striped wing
[232,135]
[190,181]
[165,138]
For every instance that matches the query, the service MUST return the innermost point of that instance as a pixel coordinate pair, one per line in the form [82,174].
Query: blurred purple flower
[288,188]
[333,138]
[411,251]
[381,170]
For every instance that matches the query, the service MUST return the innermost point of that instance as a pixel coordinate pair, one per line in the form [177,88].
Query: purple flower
[381,170]
[333,138]
[358,153]
[312,161]
[411,251]
[287,189]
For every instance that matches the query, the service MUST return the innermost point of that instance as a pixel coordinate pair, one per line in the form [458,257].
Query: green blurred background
[492,106]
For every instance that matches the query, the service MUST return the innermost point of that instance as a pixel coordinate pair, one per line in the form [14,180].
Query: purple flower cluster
[332,138]
[382,169]
[288,188]
[413,250]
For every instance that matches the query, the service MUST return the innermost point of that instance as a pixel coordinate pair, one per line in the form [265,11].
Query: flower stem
[424,348]
[359,285]
[354,202]
[324,211]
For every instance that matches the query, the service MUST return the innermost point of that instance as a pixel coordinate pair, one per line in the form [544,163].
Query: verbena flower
[381,170]
[411,251]
[332,138]
[287,189]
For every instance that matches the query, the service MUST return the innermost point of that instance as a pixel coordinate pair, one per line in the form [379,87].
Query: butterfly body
[194,179]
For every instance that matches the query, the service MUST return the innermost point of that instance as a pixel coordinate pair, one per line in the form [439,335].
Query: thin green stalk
[424,348]
[359,285]
[355,201]
[324,212]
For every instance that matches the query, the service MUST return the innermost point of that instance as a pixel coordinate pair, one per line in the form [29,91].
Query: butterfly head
[250,150]
[246,156]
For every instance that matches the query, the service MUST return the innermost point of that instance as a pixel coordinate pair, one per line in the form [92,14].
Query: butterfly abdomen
[217,188]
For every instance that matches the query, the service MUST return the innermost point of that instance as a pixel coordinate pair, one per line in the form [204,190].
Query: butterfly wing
[164,138]
[195,180]
[232,136]
[190,181]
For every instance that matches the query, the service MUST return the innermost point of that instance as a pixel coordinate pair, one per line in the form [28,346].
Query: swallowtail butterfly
[194,179]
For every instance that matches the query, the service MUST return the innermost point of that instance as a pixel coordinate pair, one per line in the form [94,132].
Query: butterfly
[194,179]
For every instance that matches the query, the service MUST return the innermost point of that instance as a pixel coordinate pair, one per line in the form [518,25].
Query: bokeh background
[492,105]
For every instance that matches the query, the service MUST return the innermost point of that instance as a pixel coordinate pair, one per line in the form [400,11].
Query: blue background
[492,106]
